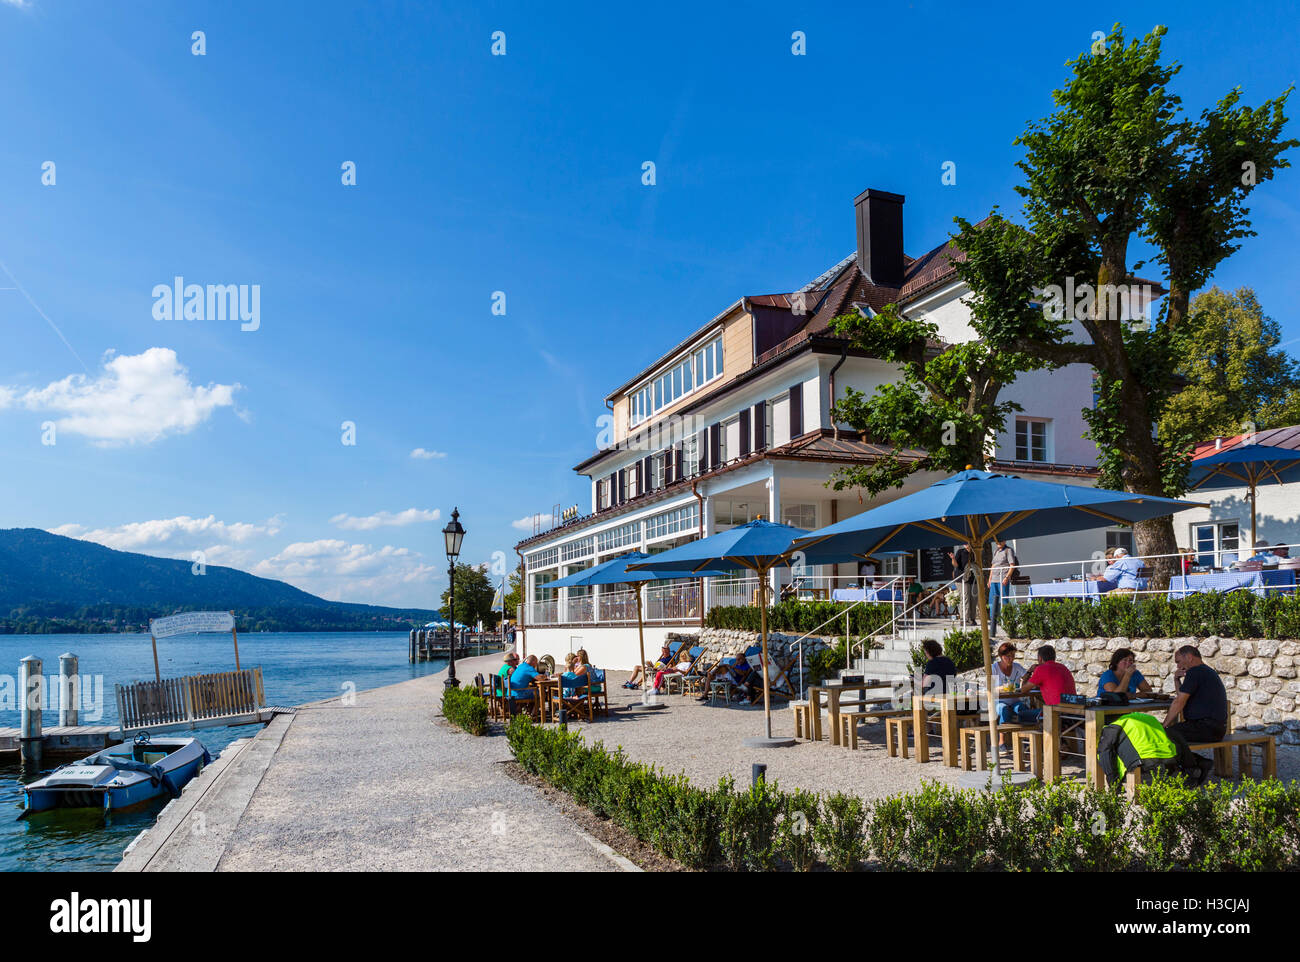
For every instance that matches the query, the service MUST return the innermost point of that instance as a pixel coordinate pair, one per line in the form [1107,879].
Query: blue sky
[474,174]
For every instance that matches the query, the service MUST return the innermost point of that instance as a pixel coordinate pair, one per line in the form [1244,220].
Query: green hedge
[466,708]
[965,648]
[1061,827]
[796,617]
[1236,614]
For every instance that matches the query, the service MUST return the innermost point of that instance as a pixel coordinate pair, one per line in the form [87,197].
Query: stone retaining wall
[1262,677]
[718,642]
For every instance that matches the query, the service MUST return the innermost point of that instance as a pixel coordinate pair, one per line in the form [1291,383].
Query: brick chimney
[880,236]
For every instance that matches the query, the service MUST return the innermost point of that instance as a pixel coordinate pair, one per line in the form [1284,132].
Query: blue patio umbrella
[1268,457]
[615,572]
[979,507]
[758,546]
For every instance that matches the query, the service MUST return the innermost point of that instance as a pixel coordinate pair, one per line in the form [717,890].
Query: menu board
[935,565]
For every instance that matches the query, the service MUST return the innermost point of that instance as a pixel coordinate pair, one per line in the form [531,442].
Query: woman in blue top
[1123,675]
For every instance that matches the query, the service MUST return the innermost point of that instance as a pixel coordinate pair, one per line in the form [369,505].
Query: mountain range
[52,583]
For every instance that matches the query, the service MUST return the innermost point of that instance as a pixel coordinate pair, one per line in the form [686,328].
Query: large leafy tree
[945,410]
[1235,377]
[474,593]
[1117,162]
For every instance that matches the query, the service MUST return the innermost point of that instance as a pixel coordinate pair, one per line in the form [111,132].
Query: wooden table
[833,693]
[1094,720]
[947,705]
[544,686]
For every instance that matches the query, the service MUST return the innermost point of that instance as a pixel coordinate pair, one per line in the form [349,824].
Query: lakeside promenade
[378,785]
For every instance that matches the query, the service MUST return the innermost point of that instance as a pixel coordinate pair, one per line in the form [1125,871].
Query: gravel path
[384,785]
[705,742]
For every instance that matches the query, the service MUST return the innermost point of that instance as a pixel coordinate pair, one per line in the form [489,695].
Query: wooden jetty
[71,740]
[428,644]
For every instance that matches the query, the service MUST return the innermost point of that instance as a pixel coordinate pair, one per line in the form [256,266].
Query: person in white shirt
[1007,671]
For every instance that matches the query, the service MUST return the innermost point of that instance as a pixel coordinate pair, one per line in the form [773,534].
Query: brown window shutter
[678,462]
[702,446]
[622,485]
[715,444]
[744,433]
[796,411]
[760,425]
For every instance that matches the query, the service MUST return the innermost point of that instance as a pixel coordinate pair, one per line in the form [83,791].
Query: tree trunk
[1141,452]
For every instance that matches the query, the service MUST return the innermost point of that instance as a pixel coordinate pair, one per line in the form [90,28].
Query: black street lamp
[453,534]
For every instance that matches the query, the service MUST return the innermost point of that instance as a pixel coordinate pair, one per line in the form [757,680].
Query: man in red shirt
[1050,678]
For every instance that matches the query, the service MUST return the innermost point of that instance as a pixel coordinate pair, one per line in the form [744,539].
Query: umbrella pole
[978,553]
[767,683]
[1253,532]
[640,629]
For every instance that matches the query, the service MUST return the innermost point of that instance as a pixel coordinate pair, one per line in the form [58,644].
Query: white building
[734,423]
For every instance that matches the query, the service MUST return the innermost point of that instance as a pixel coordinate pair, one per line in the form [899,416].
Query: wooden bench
[896,732]
[1242,741]
[1029,742]
[849,724]
[975,741]
[802,711]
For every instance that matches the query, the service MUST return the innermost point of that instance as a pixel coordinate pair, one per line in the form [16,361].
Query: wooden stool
[896,732]
[849,731]
[1031,741]
[974,741]
[802,719]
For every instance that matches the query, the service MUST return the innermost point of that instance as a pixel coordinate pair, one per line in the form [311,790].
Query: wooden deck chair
[780,669]
[599,691]
[692,678]
[577,699]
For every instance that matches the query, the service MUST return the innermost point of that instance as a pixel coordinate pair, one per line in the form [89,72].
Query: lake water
[297,667]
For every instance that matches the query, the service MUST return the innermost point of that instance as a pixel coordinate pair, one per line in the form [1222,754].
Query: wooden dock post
[31,683]
[69,691]
[411,648]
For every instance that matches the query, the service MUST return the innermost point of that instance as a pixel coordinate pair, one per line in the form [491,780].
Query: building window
[689,374]
[799,515]
[691,456]
[657,468]
[1216,545]
[1032,440]
[1121,538]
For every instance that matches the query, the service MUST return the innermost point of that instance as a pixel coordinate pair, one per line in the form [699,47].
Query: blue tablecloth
[867,594]
[1066,589]
[1256,581]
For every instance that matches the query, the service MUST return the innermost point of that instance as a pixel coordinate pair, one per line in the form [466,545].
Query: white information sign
[192,621]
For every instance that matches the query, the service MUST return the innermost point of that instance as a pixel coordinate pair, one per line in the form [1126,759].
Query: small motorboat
[119,777]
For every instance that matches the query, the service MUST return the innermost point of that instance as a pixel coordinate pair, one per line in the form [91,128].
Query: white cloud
[339,571]
[384,519]
[137,398]
[180,534]
[423,455]
[526,524]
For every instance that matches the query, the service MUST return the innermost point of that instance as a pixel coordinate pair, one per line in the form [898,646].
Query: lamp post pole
[453,534]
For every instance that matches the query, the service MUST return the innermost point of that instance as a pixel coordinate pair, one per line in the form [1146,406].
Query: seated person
[1201,699]
[939,673]
[1050,679]
[739,674]
[638,673]
[1268,556]
[579,674]
[1121,577]
[1123,676]
[521,680]
[1138,740]
[682,667]
[915,594]
[1008,672]
[508,665]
